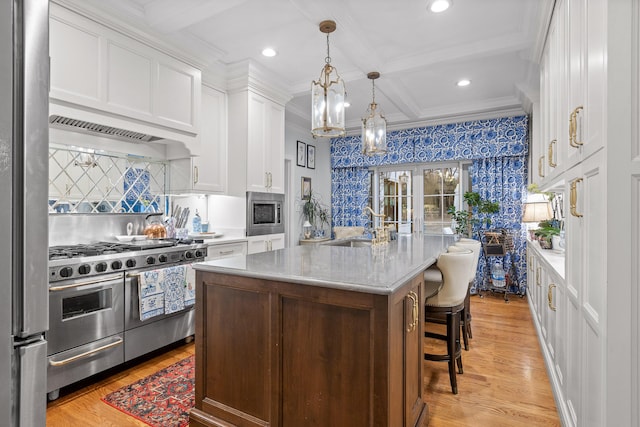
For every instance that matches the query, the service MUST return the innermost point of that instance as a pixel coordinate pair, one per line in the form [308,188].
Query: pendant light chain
[327,60]
[373,91]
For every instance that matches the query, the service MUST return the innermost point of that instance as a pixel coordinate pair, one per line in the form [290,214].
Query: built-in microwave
[265,213]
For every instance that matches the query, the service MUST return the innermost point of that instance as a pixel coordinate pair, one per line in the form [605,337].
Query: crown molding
[249,75]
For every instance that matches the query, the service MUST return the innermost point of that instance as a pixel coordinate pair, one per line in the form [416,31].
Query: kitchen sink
[350,243]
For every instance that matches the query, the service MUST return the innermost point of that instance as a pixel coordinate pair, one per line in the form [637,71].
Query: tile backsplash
[91,181]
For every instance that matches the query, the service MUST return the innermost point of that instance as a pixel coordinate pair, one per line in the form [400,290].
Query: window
[396,199]
[418,198]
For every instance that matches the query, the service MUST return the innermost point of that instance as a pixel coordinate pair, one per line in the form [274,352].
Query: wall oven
[265,213]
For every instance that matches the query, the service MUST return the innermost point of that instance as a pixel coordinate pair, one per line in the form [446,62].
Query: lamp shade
[306,224]
[374,124]
[328,96]
[537,211]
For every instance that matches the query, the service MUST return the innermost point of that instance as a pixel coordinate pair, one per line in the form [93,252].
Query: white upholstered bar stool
[449,301]
[465,317]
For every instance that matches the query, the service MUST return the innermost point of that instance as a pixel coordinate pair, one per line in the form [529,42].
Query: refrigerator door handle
[30,216]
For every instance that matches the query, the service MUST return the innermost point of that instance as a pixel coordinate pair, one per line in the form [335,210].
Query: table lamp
[536,211]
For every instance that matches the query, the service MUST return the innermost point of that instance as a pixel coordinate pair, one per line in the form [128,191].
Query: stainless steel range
[94,316]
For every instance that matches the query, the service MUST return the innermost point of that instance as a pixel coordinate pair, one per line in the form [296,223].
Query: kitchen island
[316,335]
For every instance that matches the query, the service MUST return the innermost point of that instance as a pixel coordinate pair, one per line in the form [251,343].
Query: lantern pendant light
[328,96]
[374,125]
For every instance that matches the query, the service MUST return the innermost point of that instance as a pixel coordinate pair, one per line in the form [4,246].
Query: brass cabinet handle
[550,153]
[414,311]
[573,128]
[229,252]
[573,197]
[538,274]
[541,167]
[550,297]
[195,175]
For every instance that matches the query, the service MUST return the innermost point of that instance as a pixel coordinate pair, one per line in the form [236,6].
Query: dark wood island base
[271,353]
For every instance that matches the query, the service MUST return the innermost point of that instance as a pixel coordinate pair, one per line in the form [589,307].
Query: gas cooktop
[92,259]
[107,248]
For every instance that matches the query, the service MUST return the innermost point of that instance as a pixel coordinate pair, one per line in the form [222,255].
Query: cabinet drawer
[226,250]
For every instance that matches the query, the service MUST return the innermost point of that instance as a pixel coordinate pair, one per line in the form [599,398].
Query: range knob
[101,267]
[116,265]
[199,253]
[131,263]
[151,260]
[66,272]
[188,254]
[162,258]
[84,269]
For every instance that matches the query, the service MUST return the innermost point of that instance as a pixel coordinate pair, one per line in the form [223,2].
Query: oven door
[85,310]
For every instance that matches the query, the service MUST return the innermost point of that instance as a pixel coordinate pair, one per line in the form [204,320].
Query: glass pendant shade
[374,126]
[327,104]
[328,97]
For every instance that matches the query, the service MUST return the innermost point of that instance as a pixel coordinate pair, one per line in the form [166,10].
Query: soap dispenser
[197,223]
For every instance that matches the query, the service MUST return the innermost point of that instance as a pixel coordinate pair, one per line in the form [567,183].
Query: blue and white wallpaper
[497,147]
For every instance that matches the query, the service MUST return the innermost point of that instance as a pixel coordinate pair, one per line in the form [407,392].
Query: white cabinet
[256,127]
[225,250]
[548,302]
[268,242]
[549,151]
[586,247]
[586,23]
[265,160]
[207,171]
[97,68]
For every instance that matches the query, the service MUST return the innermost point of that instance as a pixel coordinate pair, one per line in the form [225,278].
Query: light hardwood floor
[504,382]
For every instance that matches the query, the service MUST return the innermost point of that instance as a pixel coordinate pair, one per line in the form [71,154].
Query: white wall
[320,176]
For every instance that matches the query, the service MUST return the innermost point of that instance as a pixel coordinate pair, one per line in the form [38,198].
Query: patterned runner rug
[162,399]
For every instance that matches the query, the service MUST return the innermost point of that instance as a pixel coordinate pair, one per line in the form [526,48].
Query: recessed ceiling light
[346,104]
[463,82]
[269,52]
[437,6]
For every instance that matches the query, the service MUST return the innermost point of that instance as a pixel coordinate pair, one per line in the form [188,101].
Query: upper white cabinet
[102,70]
[207,170]
[585,113]
[572,89]
[256,127]
[265,160]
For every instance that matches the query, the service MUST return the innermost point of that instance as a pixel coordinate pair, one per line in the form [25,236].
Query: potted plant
[316,213]
[545,232]
[465,219]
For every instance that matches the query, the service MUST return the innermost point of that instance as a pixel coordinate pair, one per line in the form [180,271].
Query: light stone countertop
[377,270]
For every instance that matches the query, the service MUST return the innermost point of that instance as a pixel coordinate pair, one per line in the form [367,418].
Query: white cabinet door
[206,172]
[586,290]
[269,242]
[265,145]
[587,77]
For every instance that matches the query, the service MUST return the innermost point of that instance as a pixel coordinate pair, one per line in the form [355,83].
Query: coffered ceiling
[420,55]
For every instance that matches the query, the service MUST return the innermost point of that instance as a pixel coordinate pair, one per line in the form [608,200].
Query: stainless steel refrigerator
[24,140]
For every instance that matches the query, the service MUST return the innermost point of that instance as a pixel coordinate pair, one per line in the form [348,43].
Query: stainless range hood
[90,128]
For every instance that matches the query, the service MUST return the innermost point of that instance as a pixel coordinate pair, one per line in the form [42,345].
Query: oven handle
[85,354]
[92,282]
